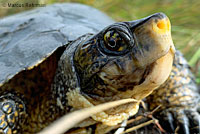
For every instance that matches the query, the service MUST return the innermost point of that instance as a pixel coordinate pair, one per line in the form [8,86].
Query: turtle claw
[180,121]
[194,119]
[168,122]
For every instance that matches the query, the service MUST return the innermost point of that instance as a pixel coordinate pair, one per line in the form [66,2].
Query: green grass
[184,16]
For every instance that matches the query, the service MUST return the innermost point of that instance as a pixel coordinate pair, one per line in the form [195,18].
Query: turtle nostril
[161,25]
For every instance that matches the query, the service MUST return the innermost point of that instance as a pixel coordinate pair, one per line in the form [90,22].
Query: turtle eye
[114,42]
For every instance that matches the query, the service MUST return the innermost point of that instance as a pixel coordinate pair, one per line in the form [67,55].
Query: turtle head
[123,55]
[125,60]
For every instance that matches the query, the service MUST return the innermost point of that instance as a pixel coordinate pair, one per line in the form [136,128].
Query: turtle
[65,57]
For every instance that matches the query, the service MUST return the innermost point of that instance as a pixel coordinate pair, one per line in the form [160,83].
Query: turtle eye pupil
[113,41]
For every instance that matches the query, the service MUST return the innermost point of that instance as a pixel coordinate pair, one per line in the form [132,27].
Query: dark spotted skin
[12,112]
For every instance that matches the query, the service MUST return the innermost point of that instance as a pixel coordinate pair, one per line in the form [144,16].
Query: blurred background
[184,16]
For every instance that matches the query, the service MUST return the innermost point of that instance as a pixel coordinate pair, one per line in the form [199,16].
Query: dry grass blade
[140,117]
[138,126]
[69,120]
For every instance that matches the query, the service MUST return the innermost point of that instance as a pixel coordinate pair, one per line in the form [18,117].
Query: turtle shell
[27,39]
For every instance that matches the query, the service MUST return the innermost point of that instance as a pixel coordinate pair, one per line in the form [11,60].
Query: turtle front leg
[12,111]
[179,100]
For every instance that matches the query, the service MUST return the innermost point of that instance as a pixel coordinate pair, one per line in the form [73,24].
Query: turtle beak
[152,38]
[158,16]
